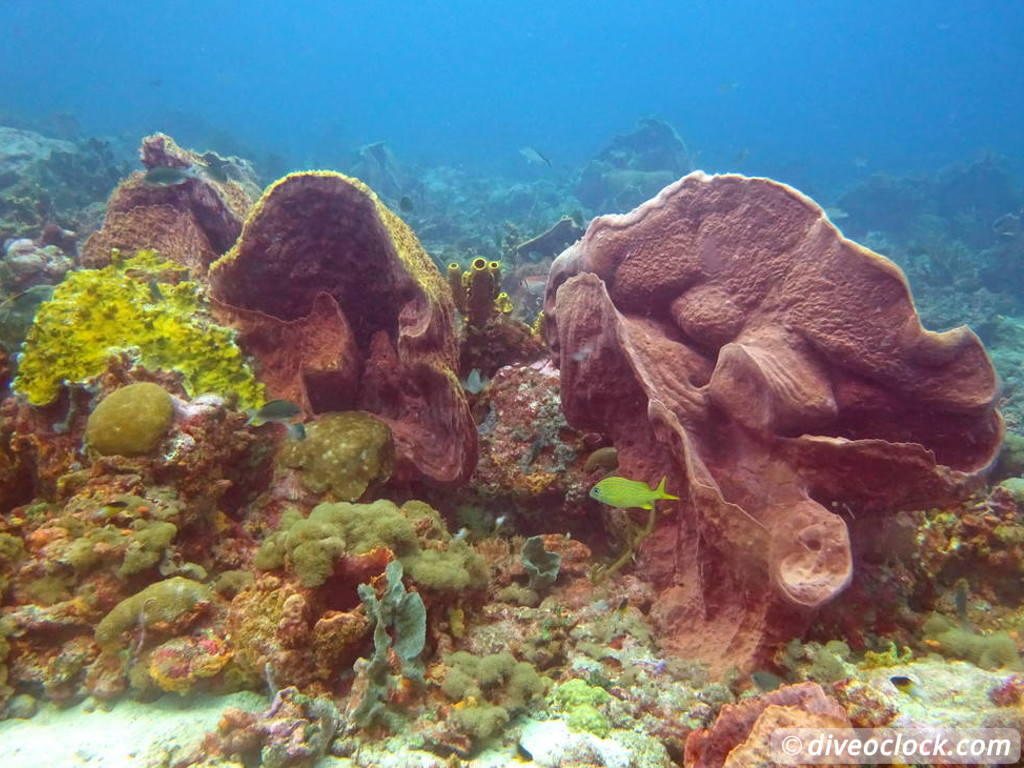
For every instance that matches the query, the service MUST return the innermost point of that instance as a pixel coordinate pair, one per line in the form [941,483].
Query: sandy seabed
[131,734]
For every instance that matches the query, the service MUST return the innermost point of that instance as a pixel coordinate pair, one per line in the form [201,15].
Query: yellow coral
[477,291]
[538,482]
[130,304]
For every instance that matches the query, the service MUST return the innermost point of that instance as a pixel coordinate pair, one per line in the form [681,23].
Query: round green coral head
[343,453]
[130,421]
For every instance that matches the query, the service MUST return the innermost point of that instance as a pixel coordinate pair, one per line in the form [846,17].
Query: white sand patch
[128,736]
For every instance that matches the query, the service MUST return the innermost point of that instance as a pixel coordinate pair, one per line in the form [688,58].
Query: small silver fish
[166,176]
[534,157]
[274,410]
[461,534]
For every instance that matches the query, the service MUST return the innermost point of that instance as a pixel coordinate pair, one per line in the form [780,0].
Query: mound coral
[132,304]
[344,309]
[342,454]
[726,335]
[130,421]
[171,602]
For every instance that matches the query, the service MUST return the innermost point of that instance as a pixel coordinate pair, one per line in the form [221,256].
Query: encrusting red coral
[726,335]
[741,734]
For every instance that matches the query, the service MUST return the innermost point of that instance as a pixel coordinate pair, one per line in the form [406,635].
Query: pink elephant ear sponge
[726,334]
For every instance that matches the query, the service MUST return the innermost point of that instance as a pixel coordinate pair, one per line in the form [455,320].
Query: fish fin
[660,490]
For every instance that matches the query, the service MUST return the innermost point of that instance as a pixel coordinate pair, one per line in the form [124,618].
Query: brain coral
[130,421]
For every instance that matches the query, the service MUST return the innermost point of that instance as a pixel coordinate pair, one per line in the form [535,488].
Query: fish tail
[660,490]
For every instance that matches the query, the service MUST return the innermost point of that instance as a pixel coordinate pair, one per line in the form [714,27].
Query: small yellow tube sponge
[130,421]
[95,313]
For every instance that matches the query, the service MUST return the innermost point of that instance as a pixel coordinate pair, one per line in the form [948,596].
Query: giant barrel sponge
[727,335]
[338,301]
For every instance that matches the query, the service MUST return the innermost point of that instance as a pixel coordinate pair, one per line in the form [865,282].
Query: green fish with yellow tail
[623,492]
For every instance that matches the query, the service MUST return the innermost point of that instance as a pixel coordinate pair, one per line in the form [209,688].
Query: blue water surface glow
[807,91]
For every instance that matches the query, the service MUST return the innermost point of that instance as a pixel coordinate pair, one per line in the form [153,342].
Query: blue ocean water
[807,91]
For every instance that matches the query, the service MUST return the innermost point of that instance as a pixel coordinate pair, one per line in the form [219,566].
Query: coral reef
[165,536]
[343,453]
[742,732]
[381,306]
[52,184]
[531,460]
[701,370]
[633,167]
[294,732]
[27,263]
[191,222]
[316,548]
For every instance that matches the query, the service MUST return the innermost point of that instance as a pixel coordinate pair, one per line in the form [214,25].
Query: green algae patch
[491,688]
[310,546]
[580,701]
[164,602]
[343,453]
[993,651]
[134,305]
[130,421]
